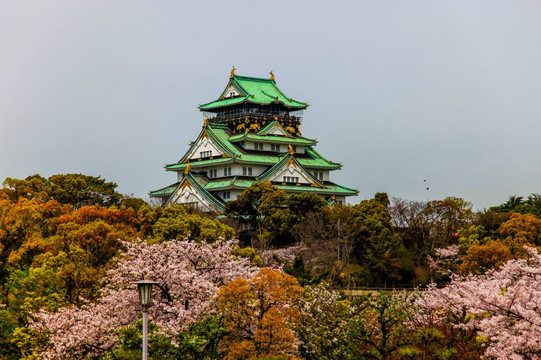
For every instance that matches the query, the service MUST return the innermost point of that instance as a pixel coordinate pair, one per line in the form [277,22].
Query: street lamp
[145,292]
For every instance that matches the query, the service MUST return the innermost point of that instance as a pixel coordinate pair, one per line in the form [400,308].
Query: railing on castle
[243,116]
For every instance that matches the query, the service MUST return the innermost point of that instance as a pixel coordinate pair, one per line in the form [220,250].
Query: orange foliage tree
[259,314]
[481,258]
[519,231]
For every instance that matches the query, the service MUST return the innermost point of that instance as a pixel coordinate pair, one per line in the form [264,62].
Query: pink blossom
[504,305]
[191,272]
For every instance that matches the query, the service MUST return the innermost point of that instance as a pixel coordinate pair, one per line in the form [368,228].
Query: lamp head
[145,290]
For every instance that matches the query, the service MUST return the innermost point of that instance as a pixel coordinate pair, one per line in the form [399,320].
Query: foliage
[380,330]
[258,315]
[272,215]
[481,258]
[8,323]
[517,204]
[378,248]
[324,329]
[501,304]
[178,222]
[76,190]
[300,272]
[199,340]
[519,231]
[190,272]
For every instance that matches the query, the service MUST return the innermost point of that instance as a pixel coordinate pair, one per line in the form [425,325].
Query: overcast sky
[399,91]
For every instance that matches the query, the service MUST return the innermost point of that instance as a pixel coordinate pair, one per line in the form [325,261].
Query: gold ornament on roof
[187,170]
[232,72]
[291,150]
[206,121]
[272,75]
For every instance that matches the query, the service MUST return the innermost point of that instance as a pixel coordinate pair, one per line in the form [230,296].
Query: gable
[204,147]
[230,92]
[187,195]
[291,172]
[274,128]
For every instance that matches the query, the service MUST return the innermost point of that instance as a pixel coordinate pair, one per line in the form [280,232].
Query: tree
[191,273]
[23,226]
[256,202]
[305,203]
[378,248]
[502,305]
[328,239]
[517,204]
[76,190]
[324,329]
[481,258]
[177,222]
[259,315]
[380,330]
[520,230]
[445,217]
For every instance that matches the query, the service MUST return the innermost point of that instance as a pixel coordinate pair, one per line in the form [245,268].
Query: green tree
[378,248]
[380,329]
[517,204]
[77,190]
[178,222]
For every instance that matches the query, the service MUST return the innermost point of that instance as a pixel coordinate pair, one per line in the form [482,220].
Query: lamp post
[145,292]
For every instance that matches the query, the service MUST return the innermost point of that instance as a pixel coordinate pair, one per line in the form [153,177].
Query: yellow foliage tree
[259,314]
[519,231]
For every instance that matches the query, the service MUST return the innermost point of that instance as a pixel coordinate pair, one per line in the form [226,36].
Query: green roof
[164,192]
[329,188]
[228,184]
[221,135]
[270,160]
[255,91]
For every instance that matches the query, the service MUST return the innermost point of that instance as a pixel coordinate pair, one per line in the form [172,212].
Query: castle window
[204,154]
[275,147]
[226,195]
[258,146]
[291,179]
[246,171]
[213,173]
[227,171]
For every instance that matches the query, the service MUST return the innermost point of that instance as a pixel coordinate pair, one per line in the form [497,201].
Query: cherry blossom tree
[502,305]
[191,273]
[324,329]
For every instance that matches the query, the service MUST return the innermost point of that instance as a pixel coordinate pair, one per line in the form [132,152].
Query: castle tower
[250,134]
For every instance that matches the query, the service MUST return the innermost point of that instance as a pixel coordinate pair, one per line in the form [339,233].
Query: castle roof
[223,138]
[252,90]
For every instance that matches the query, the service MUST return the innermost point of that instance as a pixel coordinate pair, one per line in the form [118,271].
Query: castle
[250,134]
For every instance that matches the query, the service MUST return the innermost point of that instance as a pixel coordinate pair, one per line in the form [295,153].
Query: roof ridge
[253,78]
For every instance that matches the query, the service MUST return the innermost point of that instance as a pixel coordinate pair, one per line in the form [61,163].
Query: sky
[400,91]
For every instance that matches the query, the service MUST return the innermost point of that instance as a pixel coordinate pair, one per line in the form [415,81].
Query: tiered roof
[227,137]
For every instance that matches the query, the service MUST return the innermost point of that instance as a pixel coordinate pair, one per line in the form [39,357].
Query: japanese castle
[250,134]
